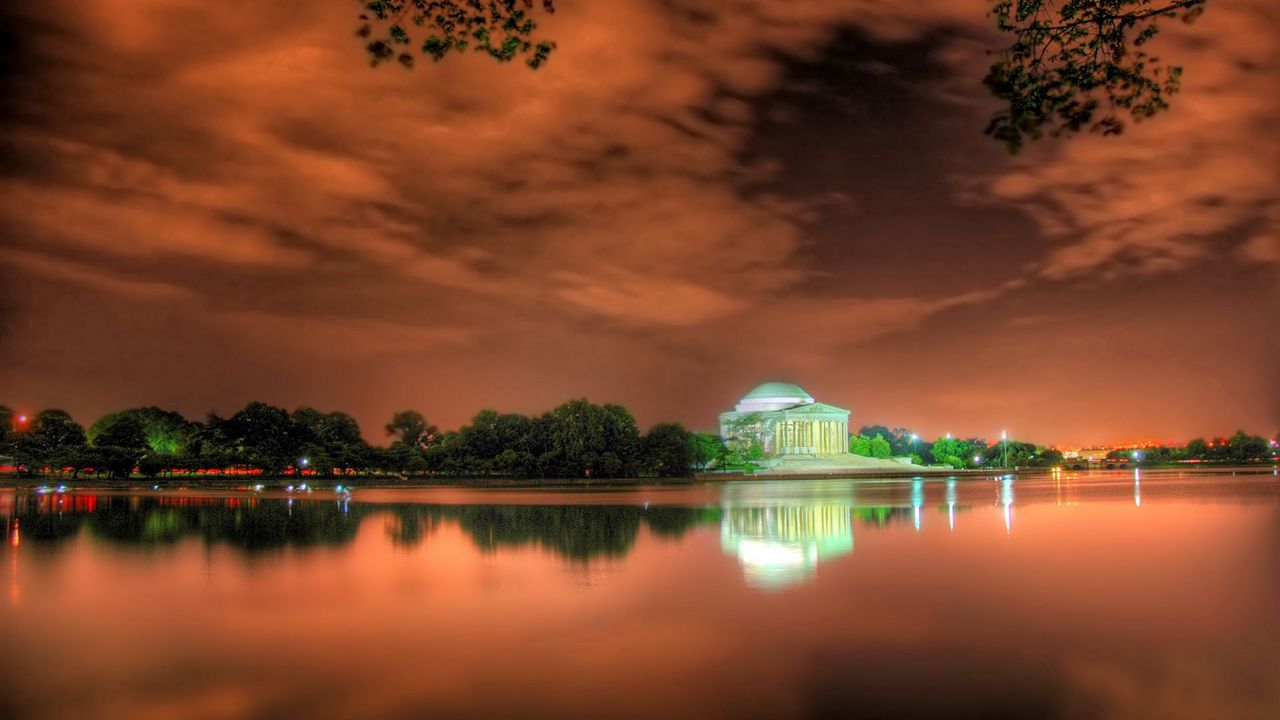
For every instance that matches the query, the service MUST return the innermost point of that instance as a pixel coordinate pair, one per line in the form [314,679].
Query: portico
[787,421]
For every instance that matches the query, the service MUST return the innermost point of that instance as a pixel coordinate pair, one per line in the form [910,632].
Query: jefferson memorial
[788,421]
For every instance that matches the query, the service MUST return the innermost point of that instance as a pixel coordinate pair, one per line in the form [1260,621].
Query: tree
[1050,457]
[328,440]
[120,430]
[1248,448]
[593,440]
[860,445]
[54,439]
[1077,64]
[899,438]
[262,436]
[707,448]
[412,428]
[879,447]
[744,442]
[8,434]
[667,450]
[954,452]
[503,29]
[1069,64]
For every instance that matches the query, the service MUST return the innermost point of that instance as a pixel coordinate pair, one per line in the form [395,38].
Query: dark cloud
[690,198]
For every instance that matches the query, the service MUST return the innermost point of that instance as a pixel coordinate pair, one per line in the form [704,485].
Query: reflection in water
[917,501]
[457,603]
[1006,499]
[252,524]
[782,545]
[951,503]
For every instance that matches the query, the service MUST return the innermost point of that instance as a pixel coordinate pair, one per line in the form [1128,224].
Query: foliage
[411,428]
[899,438]
[1077,64]
[163,431]
[875,446]
[707,448]
[502,29]
[744,441]
[1239,448]
[954,452]
[8,435]
[578,439]
[667,450]
[54,440]
[879,447]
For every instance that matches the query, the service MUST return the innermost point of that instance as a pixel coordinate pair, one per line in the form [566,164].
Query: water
[1104,595]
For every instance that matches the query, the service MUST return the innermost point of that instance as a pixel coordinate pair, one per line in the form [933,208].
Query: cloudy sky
[208,203]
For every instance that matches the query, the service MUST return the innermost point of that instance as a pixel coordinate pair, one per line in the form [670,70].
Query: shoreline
[705,478]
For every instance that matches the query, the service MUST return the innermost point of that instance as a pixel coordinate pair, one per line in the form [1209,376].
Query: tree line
[578,439]
[883,442]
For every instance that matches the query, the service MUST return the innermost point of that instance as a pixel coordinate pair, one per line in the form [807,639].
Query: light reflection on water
[1119,594]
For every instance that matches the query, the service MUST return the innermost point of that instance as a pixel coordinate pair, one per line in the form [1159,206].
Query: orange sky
[205,204]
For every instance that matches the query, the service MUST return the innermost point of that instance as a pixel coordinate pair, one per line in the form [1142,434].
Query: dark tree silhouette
[1080,64]
[504,29]
[1070,65]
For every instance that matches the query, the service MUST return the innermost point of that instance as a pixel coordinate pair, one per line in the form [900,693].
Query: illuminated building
[786,420]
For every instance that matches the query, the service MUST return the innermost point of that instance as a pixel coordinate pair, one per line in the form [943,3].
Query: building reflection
[1006,500]
[782,545]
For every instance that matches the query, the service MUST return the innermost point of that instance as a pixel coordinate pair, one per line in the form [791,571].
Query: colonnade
[810,437]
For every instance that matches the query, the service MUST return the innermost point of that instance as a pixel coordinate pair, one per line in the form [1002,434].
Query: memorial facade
[786,420]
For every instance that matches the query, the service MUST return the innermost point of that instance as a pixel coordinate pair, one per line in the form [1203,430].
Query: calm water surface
[1104,595]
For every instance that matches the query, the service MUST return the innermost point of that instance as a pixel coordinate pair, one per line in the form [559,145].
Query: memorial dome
[773,396]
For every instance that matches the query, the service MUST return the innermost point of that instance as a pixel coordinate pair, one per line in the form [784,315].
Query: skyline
[200,210]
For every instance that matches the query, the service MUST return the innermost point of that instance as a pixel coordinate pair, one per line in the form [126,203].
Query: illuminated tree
[879,447]
[707,447]
[954,452]
[744,440]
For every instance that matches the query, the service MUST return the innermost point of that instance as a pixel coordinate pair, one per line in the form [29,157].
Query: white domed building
[786,420]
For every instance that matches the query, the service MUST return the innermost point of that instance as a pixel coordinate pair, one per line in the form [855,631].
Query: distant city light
[977,458]
[303,462]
